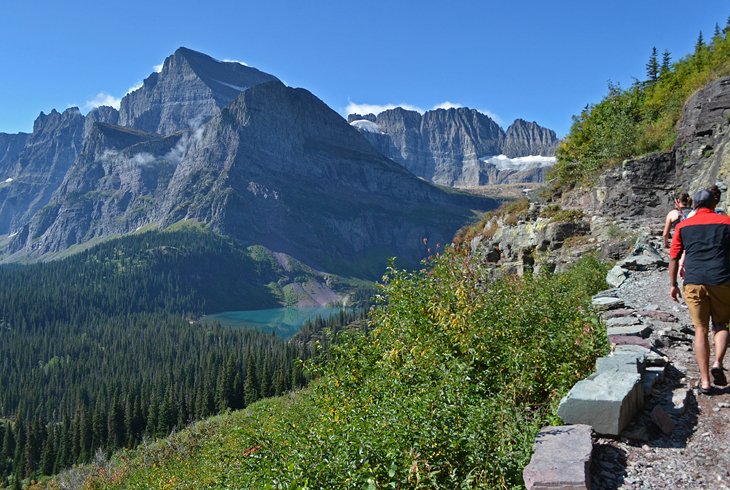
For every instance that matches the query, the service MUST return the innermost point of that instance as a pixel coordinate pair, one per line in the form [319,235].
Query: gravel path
[695,454]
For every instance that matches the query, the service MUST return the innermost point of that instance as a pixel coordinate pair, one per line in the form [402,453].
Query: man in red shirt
[705,239]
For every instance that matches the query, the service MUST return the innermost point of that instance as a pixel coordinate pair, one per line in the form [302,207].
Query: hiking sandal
[718,376]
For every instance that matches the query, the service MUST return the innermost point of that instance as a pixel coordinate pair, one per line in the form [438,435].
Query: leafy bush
[447,390]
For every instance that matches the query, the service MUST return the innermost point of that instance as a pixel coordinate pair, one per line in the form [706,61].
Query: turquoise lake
[285,322]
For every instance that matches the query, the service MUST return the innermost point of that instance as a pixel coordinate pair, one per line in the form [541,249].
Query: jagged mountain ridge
[449,146]
[274,167]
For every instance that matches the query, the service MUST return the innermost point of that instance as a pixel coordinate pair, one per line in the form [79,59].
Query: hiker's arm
[667,227]
[673,285]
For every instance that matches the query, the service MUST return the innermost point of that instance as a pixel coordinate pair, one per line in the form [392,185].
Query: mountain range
[229,146]
[460,147]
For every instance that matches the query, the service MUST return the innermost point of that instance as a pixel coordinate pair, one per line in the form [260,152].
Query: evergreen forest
[102,350]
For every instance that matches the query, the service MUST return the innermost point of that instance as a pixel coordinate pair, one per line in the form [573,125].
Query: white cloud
[355,108]
[102,98]
[176,154]
[158,68]
[143,159]
[447,105]
[237,61]
[134,87]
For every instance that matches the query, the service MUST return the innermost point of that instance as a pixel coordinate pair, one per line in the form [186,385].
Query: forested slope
[103,349]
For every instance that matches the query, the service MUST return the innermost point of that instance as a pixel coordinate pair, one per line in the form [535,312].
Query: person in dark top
[705,240]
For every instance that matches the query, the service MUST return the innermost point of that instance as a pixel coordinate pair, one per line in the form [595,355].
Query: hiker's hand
[674,293]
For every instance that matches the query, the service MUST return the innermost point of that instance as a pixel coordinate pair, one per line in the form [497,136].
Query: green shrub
[446,390]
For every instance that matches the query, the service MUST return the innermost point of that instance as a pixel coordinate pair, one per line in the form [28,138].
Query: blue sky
[538,60]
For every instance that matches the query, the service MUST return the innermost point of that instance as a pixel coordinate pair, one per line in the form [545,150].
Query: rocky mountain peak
[359,117]
[525,138]
[189,90]
[102,114]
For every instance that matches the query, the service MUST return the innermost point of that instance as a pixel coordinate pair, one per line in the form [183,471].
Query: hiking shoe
[718,376]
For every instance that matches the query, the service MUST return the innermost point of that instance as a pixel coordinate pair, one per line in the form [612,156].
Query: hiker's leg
[698,304]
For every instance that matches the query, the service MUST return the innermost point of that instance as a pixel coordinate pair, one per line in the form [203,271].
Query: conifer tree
[652,67]
[666,63]
[251,384]
[47,465]
[700,44]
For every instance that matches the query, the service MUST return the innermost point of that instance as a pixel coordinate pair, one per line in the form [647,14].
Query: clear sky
[538,60]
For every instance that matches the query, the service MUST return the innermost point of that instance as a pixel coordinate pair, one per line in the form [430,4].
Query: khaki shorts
[705,302]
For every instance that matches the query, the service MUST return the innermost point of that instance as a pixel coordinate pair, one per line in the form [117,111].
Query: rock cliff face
[702,149]
[102,114]
[10,147]
[451,146]
[40,166]
[267,165]
[191,88]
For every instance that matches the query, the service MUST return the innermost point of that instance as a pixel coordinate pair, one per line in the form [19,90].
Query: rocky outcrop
[702,149]
[454,146]
[358,117]
[640,187]
[646,186]
[191,88]
[529,138]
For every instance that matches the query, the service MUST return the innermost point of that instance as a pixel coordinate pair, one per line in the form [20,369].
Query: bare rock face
[702,149]
[102,114]
[643,186]
[453,146]
[10,147]
[529,138]
[38,169]
[191,88]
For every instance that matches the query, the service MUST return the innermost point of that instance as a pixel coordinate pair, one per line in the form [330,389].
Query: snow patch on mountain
[235,87]
[503,162]
[365,125]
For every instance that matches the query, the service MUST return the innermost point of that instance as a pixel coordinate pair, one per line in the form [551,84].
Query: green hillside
[447,388]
